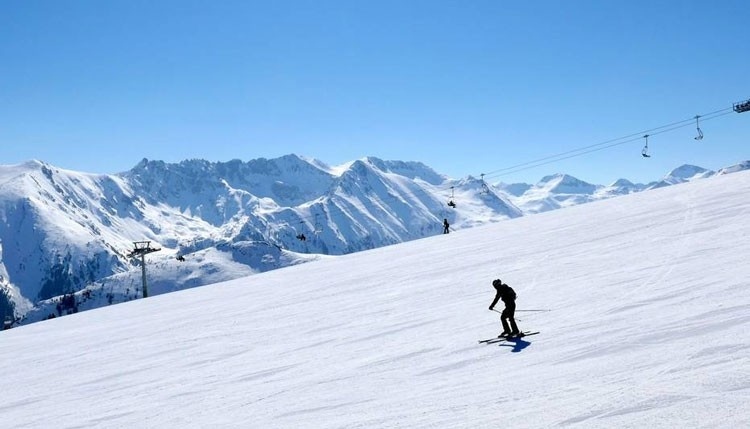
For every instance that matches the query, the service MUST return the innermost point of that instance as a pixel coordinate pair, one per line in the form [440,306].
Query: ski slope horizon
[647,327]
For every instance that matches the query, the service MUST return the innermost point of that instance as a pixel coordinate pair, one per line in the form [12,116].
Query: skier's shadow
[518,344]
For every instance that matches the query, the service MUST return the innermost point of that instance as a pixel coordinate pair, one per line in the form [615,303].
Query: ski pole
[500,312]
[535,310]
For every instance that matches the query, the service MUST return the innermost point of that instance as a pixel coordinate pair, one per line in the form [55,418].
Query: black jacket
[504,293]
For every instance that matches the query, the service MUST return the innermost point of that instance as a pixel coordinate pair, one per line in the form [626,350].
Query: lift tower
[142,248]
[742,106]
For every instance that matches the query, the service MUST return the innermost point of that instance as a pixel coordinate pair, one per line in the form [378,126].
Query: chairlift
[485,188]
[452,203]
[301,235]
[697,127]
[644,151]
[318,226]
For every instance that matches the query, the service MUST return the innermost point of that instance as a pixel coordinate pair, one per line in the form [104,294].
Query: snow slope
[649,326]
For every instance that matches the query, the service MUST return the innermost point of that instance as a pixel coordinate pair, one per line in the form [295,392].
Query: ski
[499,339]
[523,334]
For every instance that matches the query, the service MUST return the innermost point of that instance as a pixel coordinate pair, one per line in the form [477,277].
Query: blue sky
[465,87]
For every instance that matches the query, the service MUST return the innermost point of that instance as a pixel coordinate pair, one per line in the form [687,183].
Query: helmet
[496,282]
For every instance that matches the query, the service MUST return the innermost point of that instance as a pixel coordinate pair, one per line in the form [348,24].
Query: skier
[508,296]
[446,226]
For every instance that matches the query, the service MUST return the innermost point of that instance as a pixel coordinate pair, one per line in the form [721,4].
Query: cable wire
[633,137]
[605,144]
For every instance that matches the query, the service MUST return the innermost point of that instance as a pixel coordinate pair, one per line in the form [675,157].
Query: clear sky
[467,87]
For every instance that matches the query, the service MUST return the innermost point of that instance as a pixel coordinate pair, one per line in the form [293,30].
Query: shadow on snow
[518,344]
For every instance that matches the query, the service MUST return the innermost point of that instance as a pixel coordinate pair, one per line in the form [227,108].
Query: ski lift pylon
[742,106]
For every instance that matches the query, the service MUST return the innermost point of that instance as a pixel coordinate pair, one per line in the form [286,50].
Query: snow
[648,326]
[63,231]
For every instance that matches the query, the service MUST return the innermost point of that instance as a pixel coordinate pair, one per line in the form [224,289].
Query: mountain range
[67,238]
[640,302]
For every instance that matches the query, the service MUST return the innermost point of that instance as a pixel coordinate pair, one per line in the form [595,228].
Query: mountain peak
[565,184]
[622,183]
[687,172]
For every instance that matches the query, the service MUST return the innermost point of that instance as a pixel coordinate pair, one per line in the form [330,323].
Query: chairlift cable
[737,107]
[604,145]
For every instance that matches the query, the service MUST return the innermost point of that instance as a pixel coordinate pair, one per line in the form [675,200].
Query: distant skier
[508,296]
[446,226]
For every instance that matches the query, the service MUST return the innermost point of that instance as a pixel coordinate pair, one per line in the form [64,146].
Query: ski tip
[525,334]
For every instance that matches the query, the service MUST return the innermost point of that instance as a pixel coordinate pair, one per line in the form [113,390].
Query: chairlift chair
[485,188]
[451,202]
[644,151]
[318,226]
[697,127]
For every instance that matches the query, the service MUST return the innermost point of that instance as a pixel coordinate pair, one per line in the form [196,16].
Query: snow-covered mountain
[70,233]
[745,165]
[65,236]
[685,173]
[642,303]
[562,190]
